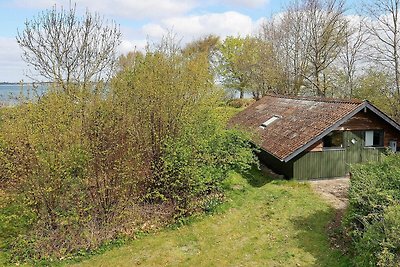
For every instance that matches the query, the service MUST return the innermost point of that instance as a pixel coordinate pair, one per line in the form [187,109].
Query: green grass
[263,223]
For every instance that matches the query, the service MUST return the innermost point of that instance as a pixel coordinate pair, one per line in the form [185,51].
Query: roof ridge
[318,99]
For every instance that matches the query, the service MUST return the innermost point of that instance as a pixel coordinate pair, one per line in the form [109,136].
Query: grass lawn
[263,223]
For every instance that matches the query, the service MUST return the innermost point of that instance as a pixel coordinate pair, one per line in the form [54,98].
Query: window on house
[374,138]
[269,121]
[333,140]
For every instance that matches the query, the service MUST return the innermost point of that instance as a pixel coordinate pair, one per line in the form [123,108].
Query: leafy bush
[380,243]
[373,217]
[91,164]
[240,102]
[196,163]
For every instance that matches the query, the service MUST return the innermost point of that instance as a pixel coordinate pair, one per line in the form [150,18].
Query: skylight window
[269,121]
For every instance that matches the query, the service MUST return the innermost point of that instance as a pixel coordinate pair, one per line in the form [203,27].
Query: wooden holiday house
[306,138]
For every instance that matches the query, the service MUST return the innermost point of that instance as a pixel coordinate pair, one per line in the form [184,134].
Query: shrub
[92,164]
[380,242]
[196,163]
[66,159]
[240,102]
[372,219]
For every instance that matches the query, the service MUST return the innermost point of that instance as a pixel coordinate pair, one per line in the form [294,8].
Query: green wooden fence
[332,163]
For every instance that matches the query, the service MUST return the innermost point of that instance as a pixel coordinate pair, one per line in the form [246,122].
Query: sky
[139,20]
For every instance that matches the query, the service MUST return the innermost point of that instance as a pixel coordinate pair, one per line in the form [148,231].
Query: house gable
[358,120]
[369,120]
[324,133]
[303,122]
[364,120]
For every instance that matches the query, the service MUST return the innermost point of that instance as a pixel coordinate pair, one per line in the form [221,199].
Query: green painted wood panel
[354,143]
[332,163]
[321,164]
[327,163]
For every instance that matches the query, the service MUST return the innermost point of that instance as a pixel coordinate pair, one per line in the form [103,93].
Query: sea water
[11,93]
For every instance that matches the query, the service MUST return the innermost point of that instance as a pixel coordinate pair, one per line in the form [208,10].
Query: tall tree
[327,32]
[230,68]
[207,46]
[384,28]
[264,72]
[288,39]
[308,37]
[352,54]
[249,65]
[375,85]
[64,48]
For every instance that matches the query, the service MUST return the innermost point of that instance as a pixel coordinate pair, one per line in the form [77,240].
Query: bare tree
[288,39]
[233,66]
[308,38]
[327,31]
[352,53]
[64,48]
[384,29]
[298,38]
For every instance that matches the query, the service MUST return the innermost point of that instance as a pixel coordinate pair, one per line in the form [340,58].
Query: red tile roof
[302,119]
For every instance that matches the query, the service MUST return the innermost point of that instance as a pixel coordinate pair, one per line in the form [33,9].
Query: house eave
[382,115]
[266,151]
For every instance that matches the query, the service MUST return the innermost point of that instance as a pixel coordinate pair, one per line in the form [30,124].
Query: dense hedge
[373,217]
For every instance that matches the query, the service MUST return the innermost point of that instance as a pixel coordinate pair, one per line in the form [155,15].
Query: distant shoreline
[6,83]
[19,83]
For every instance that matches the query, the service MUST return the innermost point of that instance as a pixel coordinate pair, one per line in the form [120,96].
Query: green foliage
[249,65]
[373,218]
[380,243]
[240,103]
[198,161]
[92,164]
[15,220]
[376,86]
[224,113]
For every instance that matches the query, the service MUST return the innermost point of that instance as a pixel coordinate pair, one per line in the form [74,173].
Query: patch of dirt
[335,192]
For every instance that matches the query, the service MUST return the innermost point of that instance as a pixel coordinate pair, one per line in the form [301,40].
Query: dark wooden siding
[368,120]
[318,146]
[277,166]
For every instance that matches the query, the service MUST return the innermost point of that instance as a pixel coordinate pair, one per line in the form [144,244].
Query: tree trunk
[241,95]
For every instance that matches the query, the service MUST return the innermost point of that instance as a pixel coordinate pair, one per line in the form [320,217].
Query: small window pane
[378,138]
[334,139]
[269,121]
[374,138]
[369,138]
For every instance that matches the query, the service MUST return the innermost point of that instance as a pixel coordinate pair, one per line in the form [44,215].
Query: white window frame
[369,138]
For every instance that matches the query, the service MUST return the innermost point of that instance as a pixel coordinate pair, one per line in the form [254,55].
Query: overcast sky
[139,20]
